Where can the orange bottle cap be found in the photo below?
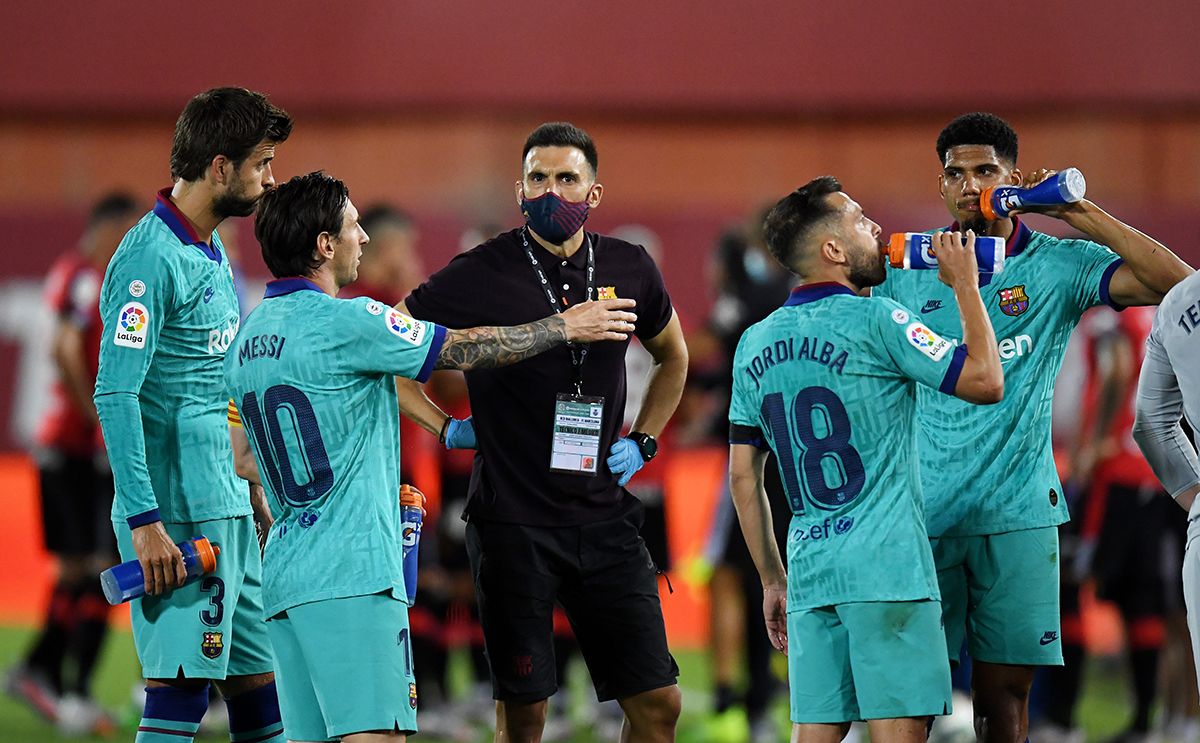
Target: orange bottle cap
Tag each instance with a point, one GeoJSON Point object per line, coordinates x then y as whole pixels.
{"type": "Point", "coordinates": [985, 204]}
{"type": "Point", "coordinates": [208, 554]}
{"type": "Point", "coordinates": [894, 251]}
{"type": "Point", "coordinates": [410, 496]}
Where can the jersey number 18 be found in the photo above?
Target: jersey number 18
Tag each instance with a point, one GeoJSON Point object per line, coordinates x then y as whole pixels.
{"type": "Point", "coordinates": [830, 469]}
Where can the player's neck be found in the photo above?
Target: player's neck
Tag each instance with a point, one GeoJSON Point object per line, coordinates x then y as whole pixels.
{"type": "Point", "coordinates": [323, 278]}
{"type": "Point", "coordinates": [195, 203]}
{"type": "Point", "coordinates": [1002, 228]}
{"type": "Point", "coordinates": [566, 250]}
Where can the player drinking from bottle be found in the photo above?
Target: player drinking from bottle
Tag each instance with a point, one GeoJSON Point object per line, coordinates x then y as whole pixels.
{"type": "Point", "coordinates": [828, 382]}
{"type": "Point", "coordinates": [993, 498]}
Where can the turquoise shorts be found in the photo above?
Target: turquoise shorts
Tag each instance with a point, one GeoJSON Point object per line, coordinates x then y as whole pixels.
{"type": "Point", "coordinates": [1000, 592]}
{"type": "Point", "coordinates": [210, 628]}
{"type": "Point", "coordinates": [344, 666]}
{"type": "Point", "coordinates": [867, 661]}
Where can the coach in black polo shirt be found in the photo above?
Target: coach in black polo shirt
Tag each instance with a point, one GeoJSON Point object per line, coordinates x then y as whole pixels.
{"type": "Point", "coordinates": [548, 516]}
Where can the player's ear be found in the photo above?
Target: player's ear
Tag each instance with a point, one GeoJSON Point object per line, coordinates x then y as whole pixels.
{"type": "Point", "coordinates": [520, 190]}
{"type": "Point", "coordinates": [594, 195]}
{"type": "Point", "coordinates": [324, 248]}
{"type": "Point", "coordinates": [219, 169]}
{"type": "Point", "coordinates": [1015, 177]}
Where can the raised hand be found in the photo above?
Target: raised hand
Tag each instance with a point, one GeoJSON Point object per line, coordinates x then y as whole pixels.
{"type": "Point", "coordinates": [602, 320]}
{"type": "Point", "coordinates": [957, 265]}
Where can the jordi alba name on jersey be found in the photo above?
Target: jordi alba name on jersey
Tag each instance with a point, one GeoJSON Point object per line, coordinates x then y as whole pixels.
{"type": "Point", "coordinates": [312, 377]}
{"type": "Point", "coordinates": [170, 310]}
{"type": "Point", "coordinates": [829, 382]}
{"type": "Point", "coordinates": [987, 469]}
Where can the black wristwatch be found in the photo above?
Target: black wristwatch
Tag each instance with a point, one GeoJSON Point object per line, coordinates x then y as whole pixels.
{"type": "Point", "coordinates": [646, 443]}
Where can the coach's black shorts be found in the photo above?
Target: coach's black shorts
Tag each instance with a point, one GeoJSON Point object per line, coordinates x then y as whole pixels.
{"type": "Point", "coordinates": [1134, 564]}
{"type": "Point", "coordinates": [603, 577]}
{"type": "Point", "coordinates": [77, 498]}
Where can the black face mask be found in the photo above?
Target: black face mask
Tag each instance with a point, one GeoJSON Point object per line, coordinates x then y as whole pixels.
{"type": "Point", "coordinates": [553, 218]}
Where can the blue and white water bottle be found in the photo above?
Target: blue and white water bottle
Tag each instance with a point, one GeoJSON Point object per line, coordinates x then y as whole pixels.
{"type": "Point", "coordinates": [126, 581]}
{"type": "Point", "coordinates": [915, 250]}
{"type": "Point", "coordinates": [412, 512]}
{"type": "Point", "coordinates": [1064, 187]}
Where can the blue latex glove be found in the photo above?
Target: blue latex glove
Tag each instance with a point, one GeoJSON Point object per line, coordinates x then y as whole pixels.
{"type": "Point", "coordinates": [461, 434]}
{"type": "Point", "coordinates": [625, 459]}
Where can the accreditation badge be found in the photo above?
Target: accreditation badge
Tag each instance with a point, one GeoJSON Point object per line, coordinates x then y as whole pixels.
{"type": "Point", "coordinates": [575, 447]}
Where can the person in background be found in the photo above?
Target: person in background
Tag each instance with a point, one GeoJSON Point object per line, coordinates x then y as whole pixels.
{"type": "Point", "coordinates": [76, 486]}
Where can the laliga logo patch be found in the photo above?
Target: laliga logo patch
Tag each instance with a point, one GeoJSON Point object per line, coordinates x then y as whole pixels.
{"type": "Point", "coordinates": [606, 292]}
{"type": "Point", "coordinates": [1013, 300]}
{"type": "Point", "coordinates": [212, 645]}
{"type": "Point", "coordinates": [131, 327]}
{"type": "Point", "coordinates": [926, 341]}
{"type": "Point", "coordinates": [404, 326]}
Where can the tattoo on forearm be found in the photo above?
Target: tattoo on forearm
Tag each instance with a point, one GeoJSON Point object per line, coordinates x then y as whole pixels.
{"type": "Point", "coordinates": [487, 348]}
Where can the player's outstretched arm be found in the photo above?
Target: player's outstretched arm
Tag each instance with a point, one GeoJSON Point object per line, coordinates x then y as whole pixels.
{"type": "Point", "coordinates": [1150, 268]}
{"type": "Point", "coordinates": [489, 347]}
{"type": "Point", "coordinates": [1156, 429]}
{"type": "Point", "coordinates": [982, 379]}
{"type": "Point", "coordinates": [754, 514]}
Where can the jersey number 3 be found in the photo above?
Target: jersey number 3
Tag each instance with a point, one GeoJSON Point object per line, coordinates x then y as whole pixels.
{"type": "Point", "coordinates": [830, 469]}
{"type": "Point", "coordinates": [298, 450]}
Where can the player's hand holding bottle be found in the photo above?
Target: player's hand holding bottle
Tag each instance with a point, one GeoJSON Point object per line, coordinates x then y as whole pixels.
{"type": "Point", "coordinates": [602, 320]}
{"type": "Point", "coordinates": [161, 560]}
{"type": "Point", "coordinates": [957, 265]}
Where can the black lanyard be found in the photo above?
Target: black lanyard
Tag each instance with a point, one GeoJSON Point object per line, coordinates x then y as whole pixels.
{"type": "Point", "coordinates": [579, 351]}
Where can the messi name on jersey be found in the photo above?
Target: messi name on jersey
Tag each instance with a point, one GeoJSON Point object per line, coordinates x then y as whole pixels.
{"type": "Point", "coordinates": [1013, 300]}
{"type": "Point", "coordinates": [261, 347]}
{"type": "Point", "coordinates": [791, 349]}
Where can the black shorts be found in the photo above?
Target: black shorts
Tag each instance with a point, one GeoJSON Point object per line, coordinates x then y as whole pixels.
{"type": "Point", "coordinates": [1134, 565]}
{"type": "Point", "coordinates": [77, 501]}
{"type": "Point", "coordinates": [603, 577]}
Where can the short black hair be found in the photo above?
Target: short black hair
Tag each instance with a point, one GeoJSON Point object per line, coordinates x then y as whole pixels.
{"type": "Point", "coordinates": [224, 121]}
{"type": "Point", "coordinates": [381, 216]}
{"type": "Point", "coordinates": [562, 134]}
{"type": "Point", "coordinates": [982, 129]}
{"type": "Point", "coordinates": [113, 205]}
{"type": "Point", "coordinates": [788, 223]}
{"type": "Point", "coordinates": [291, 217]}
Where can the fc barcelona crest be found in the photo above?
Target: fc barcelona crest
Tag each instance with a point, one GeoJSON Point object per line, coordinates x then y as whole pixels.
{"type": "Point", "coordinates": [412, 695]}
{"type": "Point", "coordinates": [606, 292]}
{"type": "Point", "coordinates": [1013, 300]}
{"type": "Point", "coordinates": [212, 645]}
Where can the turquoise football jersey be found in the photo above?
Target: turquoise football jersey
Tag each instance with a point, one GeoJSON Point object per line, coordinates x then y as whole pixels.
{"type": "Point", "coordinates": [313, 380]}
{"type": "Point", "coordinates": [990, 469]}
{"type": "Point", "coordinates": [170, 311]}
{"type": "Point", "coordinates": [829, 382]}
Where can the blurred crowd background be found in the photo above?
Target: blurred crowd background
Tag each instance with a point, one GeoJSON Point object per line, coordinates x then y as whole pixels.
{"type": "Point", "coordinates": [704, 113]}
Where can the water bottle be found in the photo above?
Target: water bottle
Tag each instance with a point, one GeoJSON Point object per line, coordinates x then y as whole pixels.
{"type": "Point", "coordinates": [126, 581]}
{"type": "Point", "coordinates": [1064, 187]}
{"type": "Point", "coordinates": [412, 510]}
{"type": "Point", "coordinates": [915, 250]}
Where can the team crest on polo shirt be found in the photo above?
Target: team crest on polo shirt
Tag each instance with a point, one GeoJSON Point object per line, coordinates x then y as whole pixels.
{"type": "Point", "coordinates": [606, 292]}
{"type": "Point", "coordinates": [1013, 300]}
{"type": "Point", "coordinates": [212, 645]}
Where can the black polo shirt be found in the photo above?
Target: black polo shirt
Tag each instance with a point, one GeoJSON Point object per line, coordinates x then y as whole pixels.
{"type": "Point", "coordinates": [493, 284]}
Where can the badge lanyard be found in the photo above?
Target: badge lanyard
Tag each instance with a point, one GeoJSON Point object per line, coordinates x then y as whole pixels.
{"type": "Point", "coordinates": [579, 352]}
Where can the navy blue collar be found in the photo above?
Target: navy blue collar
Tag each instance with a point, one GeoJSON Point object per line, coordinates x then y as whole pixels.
{"type": "Point", "coordinates": [806, 293]}
{"type": "Point", "coordinates": [1017, 241]}
{"type": "Point", "coordinates": [279, 287]}
{"type": "Point", "coordinates": [169, 213]}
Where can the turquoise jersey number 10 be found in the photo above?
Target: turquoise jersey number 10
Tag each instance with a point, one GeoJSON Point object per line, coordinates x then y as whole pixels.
{"type": "Point", "coordinates": [302, 433]}
{"type": "Point", "coordinates": [830, 469]}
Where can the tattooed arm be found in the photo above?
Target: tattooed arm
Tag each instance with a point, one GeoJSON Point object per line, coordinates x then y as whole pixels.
{"type": "Point", "coordinates": [489, 347]}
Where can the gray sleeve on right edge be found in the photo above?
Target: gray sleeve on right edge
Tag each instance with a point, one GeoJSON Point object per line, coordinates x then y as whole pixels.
{"type": "Point", "coordinates": [1156, 428]}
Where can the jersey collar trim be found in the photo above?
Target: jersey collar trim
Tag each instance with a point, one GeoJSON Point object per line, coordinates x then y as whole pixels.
{"type": "Point", "coordinates": [166, 210]}
{"type": "Point", "coordinates": [279, 287]}
{"type": "Point", "coordinates": [812, 292]}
